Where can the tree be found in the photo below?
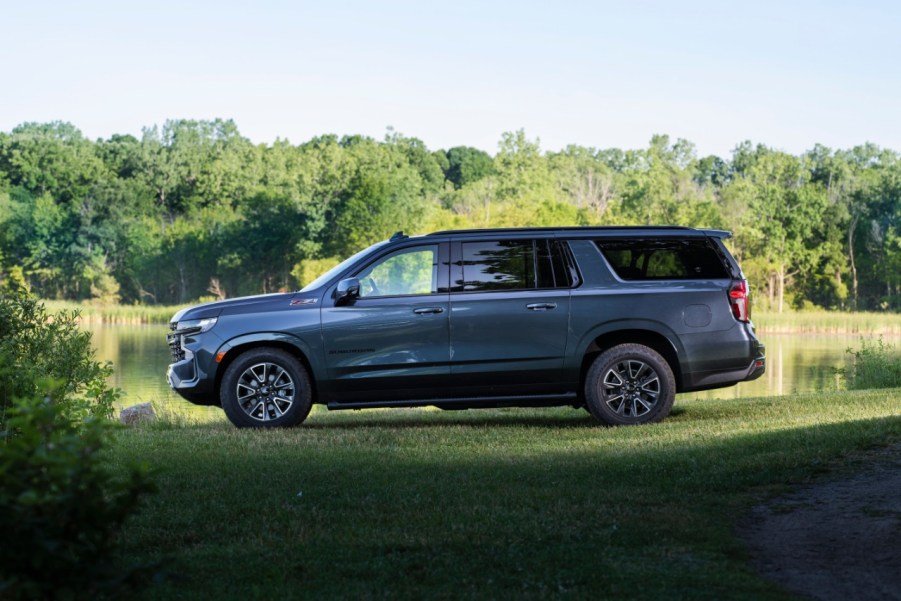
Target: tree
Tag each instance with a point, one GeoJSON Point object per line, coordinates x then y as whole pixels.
{"type": "Point", "coordinates": [467, 165]}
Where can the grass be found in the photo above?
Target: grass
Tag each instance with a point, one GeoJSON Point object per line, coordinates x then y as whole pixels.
{"type": "Point", "coordinates": [825, 322]}
{"type": "Point", "coordinates": [513, 503]}
{"type": "Point", "coordinates": [116, 314]}
{"type": "Point", "coordinates": [876, 365]}
{"type": "Point", "coordinates": [828, 322]}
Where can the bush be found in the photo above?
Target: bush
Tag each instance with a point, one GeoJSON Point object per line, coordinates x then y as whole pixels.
{"type": "Point", "coordinates": [36, 345]}
{"type": "Point", "coordinates": [876, 365]}
{"type": "Point", "coordinates": [60, 506]}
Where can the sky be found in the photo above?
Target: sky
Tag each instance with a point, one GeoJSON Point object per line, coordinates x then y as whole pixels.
{"type": "Point", "coordinates": [598, 74]}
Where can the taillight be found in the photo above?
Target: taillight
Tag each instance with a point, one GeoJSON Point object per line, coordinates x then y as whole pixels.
{"type": "Point", "coordinates": [738, 297]}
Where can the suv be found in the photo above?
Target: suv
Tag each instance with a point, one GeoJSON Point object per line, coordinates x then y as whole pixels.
{"type": "Point", "coordinates": [613, 319]}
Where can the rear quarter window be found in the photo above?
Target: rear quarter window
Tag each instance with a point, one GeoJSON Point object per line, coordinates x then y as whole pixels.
{"type": "Point", "coordinates": [663, 259]}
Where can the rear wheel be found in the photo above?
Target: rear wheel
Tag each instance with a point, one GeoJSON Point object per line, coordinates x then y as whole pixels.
{"type": "Point", "coordinates": [630, 384]}
{"type": "Point", "coordinates": [266, 388]}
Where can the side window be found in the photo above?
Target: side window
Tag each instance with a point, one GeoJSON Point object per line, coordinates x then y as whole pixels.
{"type": "Point", "coordinates": [498, 265]}
{"type": "Point", "coordinates": [552, 269]}
{"type": "Point", "coordinates": [513, 265]}
{"type": "Point", "coordinates": [663, 259]}
{"type": "Point", "coordinates": [405, 272]}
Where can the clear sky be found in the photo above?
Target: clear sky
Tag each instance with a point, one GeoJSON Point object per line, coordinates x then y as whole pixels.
{"type": "Point", "coordinates": [605, 74]}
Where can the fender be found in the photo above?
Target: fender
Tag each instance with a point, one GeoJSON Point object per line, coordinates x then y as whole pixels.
{"type": "Point", "coordinates": [580, 347]}
{"type": "Point", "coordinates": [302, 346]}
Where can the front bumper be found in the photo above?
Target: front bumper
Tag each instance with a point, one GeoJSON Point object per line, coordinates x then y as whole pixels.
{"type": "Point", "coordinates": [192, 374]}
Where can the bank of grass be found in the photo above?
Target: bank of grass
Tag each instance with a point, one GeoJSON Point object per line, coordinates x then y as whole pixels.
{"type": "Point", "coordinates": [819, 322]}
{"type": "Point", "coordinates": [484, 504]}
{"type": "Point", "coordinates": [828, 322]}
{"type": "Point", "coordinates": [117, 314]}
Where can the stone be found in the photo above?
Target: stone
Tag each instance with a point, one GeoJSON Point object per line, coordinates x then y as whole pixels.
{"type": "Point", "coordinates": [137, 413]}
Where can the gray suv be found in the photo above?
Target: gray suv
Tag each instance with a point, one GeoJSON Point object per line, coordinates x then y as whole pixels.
{"type": "Point", "coordinates": [613, 319]}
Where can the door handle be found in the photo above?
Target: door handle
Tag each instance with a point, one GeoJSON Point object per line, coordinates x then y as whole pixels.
{"type": "Point", "coordinates": [541, 306]}
{"type": "Point", "coordinates": [426, 310]}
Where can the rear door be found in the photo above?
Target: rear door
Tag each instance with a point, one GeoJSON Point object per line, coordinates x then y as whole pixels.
{"type": "Point", "coordinates": [509, 316]}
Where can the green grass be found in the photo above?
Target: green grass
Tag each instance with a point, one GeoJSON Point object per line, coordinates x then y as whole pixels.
{"type": "Point", "coordinates": [119, 314]}
{"type": "Point", "coordinates": [828, 322]}
{"type": "Point", "coordinates": [500, 504]}
{"type": "Point", "coordinates": [876, 365]}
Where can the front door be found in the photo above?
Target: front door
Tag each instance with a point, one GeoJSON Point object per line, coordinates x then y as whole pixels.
{"type": "Point", "coordinates": [392, 342]}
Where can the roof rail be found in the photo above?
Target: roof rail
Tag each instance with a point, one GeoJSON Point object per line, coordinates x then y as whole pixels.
{"type": "Point", "coordinates": [573, 228]}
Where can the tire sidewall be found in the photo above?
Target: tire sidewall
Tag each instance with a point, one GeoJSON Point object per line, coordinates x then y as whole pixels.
{"type": "Point", "coordinates": [594, 400]}
{"type": "Point", "coordinates": [300, 408]}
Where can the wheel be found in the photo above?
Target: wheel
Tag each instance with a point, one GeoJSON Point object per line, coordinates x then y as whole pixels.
{"type": "Point", "coordinates": [266, 388]}
{"type": "Point", "coordinates": [630, 384]}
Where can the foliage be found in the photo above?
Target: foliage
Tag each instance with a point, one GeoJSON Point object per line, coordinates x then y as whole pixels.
{"type": "Point", "coordinates": [35, 344]}
{"type": "Point", "coordinates": [60, 506]}
{"type": "Point", "coordinates": [466, 165]}
{"type": "Point", "coordinates": [155, 219]}
{"type": "Point", "coordinates": [875, 365]}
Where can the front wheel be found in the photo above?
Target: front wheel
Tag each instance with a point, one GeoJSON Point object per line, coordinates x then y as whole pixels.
{"type": "Point", "coordinates": [630, 384]}
{"type": "Point", "coordinates": [266, 388]}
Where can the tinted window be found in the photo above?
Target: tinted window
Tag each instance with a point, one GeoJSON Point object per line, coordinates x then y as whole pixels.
{"type": "Point", "coordinates": [405, 272]}
{"type": "Point", "coordinates": [552, 269]}
{"type": "Point", "coordinates": [663, 259]}
{"type": "Point", "coordinates": [498, 265]}
{"type": "Point", "coordinates": [513, 265]}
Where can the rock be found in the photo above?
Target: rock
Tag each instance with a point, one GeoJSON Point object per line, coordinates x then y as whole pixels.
{"type": "Point", "coordinates": [138, 413]}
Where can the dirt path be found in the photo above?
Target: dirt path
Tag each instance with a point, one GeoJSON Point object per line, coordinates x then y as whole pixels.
{"type": "Point", "coordinates": [834, 540]}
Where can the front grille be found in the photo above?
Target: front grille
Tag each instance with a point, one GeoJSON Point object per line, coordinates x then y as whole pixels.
{"type": "Point", "coordinates": [173, 339]}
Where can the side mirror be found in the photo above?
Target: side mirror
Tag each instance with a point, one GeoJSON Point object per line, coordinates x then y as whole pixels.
{"type": "Point", "coordinates": [347, 290]}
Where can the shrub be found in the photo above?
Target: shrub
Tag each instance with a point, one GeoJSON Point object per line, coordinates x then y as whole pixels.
{"type": "Point", "coordinates": [876, 365]}
{"type": "Point", "coordinates": [35, 345]}
{"type": "Point", "coordinates": [60, 505]}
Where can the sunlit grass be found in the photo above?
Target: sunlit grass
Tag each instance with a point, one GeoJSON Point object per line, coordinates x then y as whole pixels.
{"type": "Point", "coordinates": [876, 365]}
{"type": "Point", "coordinates": [828, 322]}
{"type": "Point", "coordinates": [117, 314]}
{"type": "Point", "coordinates": [484, 503]}
{"type": "Point", "coordinates": [770, 322]}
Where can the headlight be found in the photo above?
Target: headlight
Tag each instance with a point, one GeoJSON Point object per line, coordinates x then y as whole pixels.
{"type": "Point", "coordinates": [197, 325]}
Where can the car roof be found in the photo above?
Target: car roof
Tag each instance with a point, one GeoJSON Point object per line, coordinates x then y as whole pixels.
{"type": "Point", "coordinates": [587, 231]}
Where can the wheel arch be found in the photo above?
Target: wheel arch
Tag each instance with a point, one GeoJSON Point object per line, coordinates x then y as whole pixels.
{"type": "Point", "coordinates": [238, 346]}
{"type": "Point", "coordinates": [654, 336]}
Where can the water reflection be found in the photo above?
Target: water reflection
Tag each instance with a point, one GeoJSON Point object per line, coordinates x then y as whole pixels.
{"type": "Point", "coordinates": [795, 363]}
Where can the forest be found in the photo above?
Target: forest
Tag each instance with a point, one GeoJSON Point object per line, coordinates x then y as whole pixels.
{"type": "Point", "coordinates": [194, 210]}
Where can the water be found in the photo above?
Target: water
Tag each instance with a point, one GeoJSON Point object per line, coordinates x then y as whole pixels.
{"type": "Point", "coordinates": [795, 363]}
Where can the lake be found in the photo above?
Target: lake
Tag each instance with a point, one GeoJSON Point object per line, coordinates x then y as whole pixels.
{"type": "Point", "coordinates": [796, 363]}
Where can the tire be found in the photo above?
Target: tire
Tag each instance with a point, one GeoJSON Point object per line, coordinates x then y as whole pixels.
{"type": "Point", "coordinates": [629, 384]}
{"type": "Point", "coordinates": [266, 388]}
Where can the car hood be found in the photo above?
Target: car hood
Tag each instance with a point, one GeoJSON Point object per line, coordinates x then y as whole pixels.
{"type": "Point", "coordinates": [245, 304]}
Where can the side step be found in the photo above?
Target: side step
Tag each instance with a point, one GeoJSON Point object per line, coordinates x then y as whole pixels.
{"type": "Point", "coordinates": [539, 400]}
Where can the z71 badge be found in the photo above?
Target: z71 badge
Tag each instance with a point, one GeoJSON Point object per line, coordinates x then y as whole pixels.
{"type": "Point", "coordinates": [303, 301]}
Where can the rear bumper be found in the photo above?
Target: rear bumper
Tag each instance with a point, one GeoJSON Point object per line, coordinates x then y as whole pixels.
{"type": "Point", "coordinates": [721, 379]}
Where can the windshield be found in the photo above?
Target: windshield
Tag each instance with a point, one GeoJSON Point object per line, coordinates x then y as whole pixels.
{"type": "Point", "coordinates": [338, 268]}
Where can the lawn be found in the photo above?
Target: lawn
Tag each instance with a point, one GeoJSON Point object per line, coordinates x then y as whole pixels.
{"type": "Point", "coordinates": [484, 503]}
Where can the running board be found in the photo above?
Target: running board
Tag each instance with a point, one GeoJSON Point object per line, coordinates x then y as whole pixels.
{"type": "Point", "coordinates": [538, 400]}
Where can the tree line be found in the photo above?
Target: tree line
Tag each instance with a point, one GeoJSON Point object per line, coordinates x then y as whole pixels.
{"type": "Point", "coordinates": [193, 209]}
